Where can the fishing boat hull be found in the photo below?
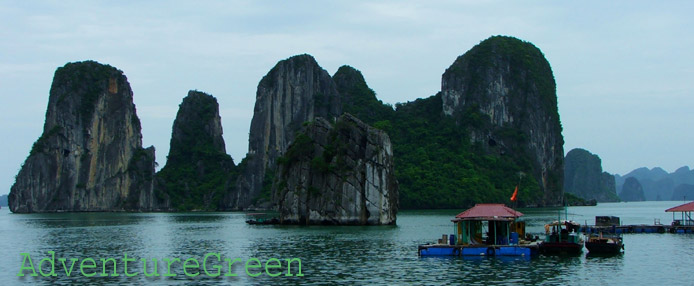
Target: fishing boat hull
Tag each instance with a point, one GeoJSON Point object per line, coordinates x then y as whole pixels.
{"type": "Point", "coordinates": [261, 219]}
{"type": "Point", "coordinates": [263, 222]}
{"type": "Point", "coordinates": [562, 238]}
{"type": "Point", "coordinates": [561, 248]}
{"type": "Point", "coordinates": [604, 247]}
{"type": "Point", "coordinates": [481, 250]}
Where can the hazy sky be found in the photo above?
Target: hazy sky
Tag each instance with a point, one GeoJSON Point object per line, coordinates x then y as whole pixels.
{"type": "Point", "coordinates": [624, 69]}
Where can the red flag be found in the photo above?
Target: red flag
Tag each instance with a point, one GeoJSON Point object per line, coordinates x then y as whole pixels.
{"type": "Point", "coordinates": [515, 195]}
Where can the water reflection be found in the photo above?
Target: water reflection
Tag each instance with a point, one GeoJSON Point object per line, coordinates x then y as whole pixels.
{"type": "Point", "coordinates": [65, 220]}
{"type": "Point", "coordinates": [600, 256]}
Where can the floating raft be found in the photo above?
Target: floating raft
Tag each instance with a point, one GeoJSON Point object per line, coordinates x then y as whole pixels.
{"type": "Point", "coordinates": [497, 221]}
{"type": "Point", "coordinates": [637, 228]}
{"type": "Point", "coordinates": [477, 250]}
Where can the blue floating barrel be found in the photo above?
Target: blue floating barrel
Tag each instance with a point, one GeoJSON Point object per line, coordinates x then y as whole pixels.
{"type": "Point", "coordinates": [452, 239]}
{"type": "Point", "coordinates": [514, 238]}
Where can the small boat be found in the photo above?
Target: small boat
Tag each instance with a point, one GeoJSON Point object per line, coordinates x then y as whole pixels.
{"type": "Point", "coordinates": [562, 237]}
{"type": "Point", "coordinates": [604, 244]}
{"type": "Point", "coordinates": [484, 230]}
{"type": "Point", "coordinates": [261, 218]}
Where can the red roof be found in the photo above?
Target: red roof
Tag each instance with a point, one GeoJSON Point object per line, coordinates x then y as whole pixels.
{"type": "Point", "coordinates": [489, 212]}
{"type": "Point", "coordinates": [688, 207]}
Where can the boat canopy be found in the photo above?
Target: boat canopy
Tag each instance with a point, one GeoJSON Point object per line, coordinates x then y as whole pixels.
{"type": "Point", "coordinates": [488, 212]}
{"type": "Point", "coordinates": [564, 222]}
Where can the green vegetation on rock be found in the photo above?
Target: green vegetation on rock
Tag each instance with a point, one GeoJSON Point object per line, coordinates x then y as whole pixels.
{"type": "Point", "coordinates": [438, 167]}
{"type": "Point", "coordinates": [88, 79]}
{"type": "Point", "coordinates": [40, 143]}
{"type": "Point", "coordinates": [526, 62]}
{"type": "Point", "coordinates": [435, 163]}
{"type": "Point", "coordinates": [198, 172]}
{"type": "Point", "coordinates": [572, 200]}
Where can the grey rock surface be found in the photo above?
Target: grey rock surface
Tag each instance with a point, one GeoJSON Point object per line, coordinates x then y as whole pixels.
{"type": "Point", "coordinates": [295, 91]}
{"type": "Point", "coordinates": [341, 174]}
{"type": "Point", "coordinates": [504, 91]}
{"type": "Point", "coordinates": [90, 155]}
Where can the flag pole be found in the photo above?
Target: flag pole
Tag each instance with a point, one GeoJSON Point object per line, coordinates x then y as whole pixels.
{"type": "Point", "coordinates": [518, 186]}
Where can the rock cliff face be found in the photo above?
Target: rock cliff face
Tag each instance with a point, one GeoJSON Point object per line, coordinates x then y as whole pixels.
{"type": "Point", "coordinates": [338, 175]}
{"type": "Point", "coordinates": [296, 90]}
{"type": "Point", "coordinates": [632, 191]}
{"type": "Point", "coordinates": [198, 171]}
{"type": "Point", "coordinates": [583, 177]}
{"type": "Point", "coordinates": [503, 91]}
{"type": "Point", "coordinates": [90, 155]}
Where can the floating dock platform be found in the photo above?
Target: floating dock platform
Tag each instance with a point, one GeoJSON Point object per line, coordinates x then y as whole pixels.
{"type": "Point", "coordinates": [638, 228]}
{"type": "Point", "coordinates": [612, 224]}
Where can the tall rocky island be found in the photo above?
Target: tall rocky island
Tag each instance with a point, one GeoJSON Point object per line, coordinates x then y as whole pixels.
{"type": "Point", "coordinates": [503, 92]}
{"type": "Point", "coordinates": [583, 177]}
{"type": "Point", "coordinates": [493, 125]}
{"type": "Point", "coordinates": [90, 155]}
{"type": "Point", "coordinates": [198, 171]}
{"type": "Point", "coordinates": [341, 174]}
{"type": "Point", "coordinates": [632, 191]}
{"type": "Point", "coordinates": [295, 91]}
{"type": "Point", "coordinates": [320, 173]}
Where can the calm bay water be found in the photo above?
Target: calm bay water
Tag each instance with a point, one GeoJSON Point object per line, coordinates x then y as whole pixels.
{"type": "Point", "coordinates": [334, 255]}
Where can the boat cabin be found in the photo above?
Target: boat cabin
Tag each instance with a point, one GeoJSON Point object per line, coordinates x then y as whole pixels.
{"type": "Point", "coordinates": [563, 231]}
{"type": "Point", "coordinates": [607, 221]}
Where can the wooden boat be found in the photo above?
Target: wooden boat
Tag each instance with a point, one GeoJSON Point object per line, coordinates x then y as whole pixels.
{"type": "Point", "coordinates": [261, 218]}
{"type": "Point", "coordinates": [484, 230]}
{"type": "Point", "coordinates": [604, 244]}
{"type": "Point", "coordinates": [562, 237]}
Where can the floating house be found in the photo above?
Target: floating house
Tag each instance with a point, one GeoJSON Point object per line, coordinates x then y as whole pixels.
{"type": "Point", "coordinates": [484, 230]}
{"type": "Point", "coordinates": [685, 211]}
